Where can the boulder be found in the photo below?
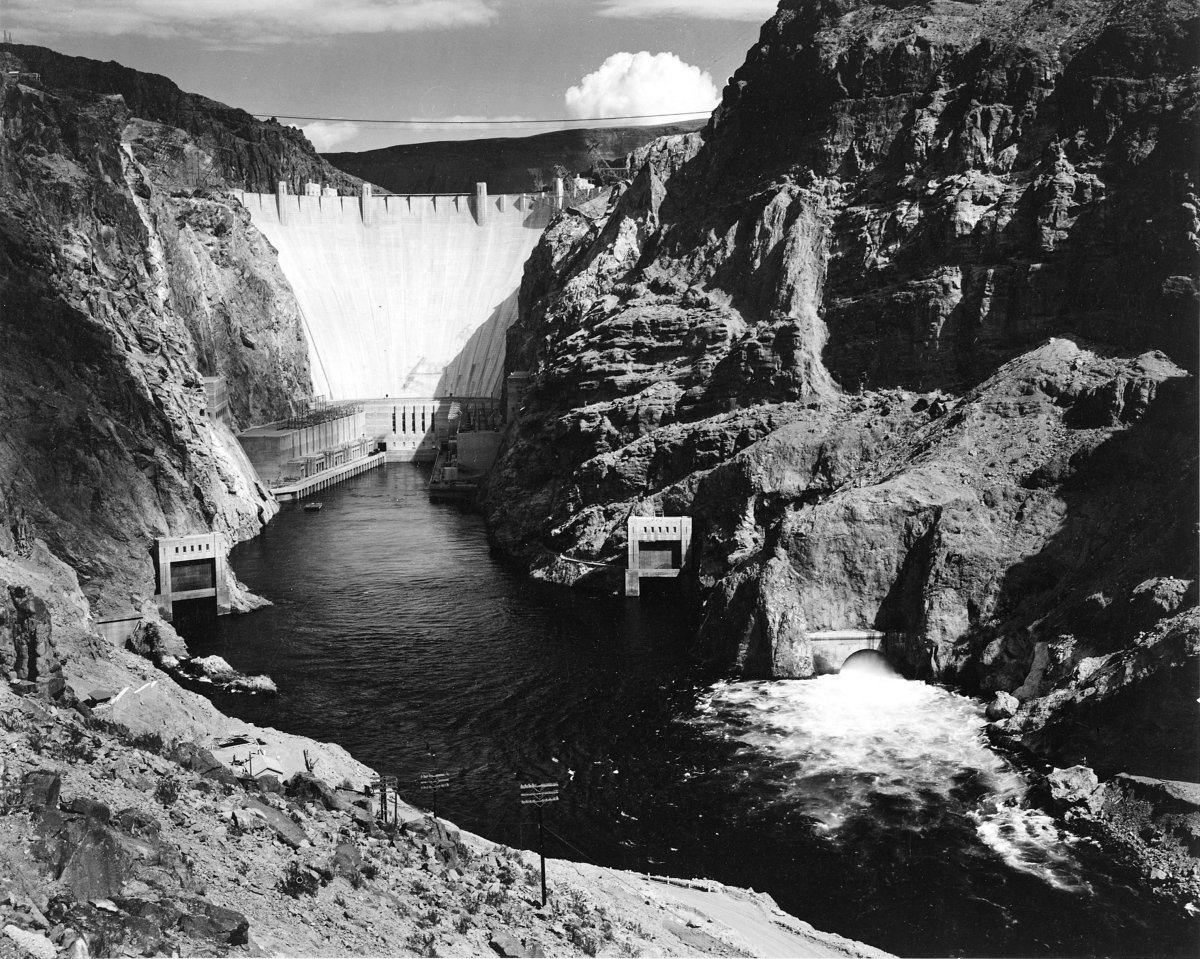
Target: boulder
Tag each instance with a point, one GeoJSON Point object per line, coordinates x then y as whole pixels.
{"type": "Point", "coordinates": [97, 865]}
{"type": "Point", "coordinates": [157, 641]}
{"type": "Point", "coordinates": [215, 670]}
{"type": "Point", "coordinates": [83, 806]}
{"type": "Point", "coordinates": [506, 944]}
{"type": "Point", "coordinates": [139, 824]}
{"type": "Point", "coordinates": [285, 830]}
{"type": "Point", "coordinates": [32, 944]}
{"type": "Point", "coordinates": [347, 861]}
{"type": "Point", "coordinates": [1003, 706]}
{"type": "Point", "coordinates": [111, 931]}
{"type": "Point", "coordinates": [212, 668]}
{"type": "Point", "coordinates": [1072, 787]}
{"type": "Point", "coordinates": [364, 819]}
{"type": "Point", "coordinates": [306, 787]}
{"type": "Point", "coordinates": [40, 789]}
{"type": "Point", "coordinates": [206, 920]}
{"type": "Point", "coordinates": [1164, 808]}
{"type": "Point", "coordinates": [83, 854]}
{"type": "Point", "coordinates": [269, 783]}
{"type": "Point", "coordinates": [263, 685]}
{"type": "Point", "coordinates": [28, 649]}
{"type": "Point", "coordinates": [200, 760]}
{"type": "Point", "coordinates": [440, 839]}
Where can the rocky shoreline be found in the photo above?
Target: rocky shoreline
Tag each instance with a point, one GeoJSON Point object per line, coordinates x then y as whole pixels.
{"type": "Point", "coordinates": [131, 827]}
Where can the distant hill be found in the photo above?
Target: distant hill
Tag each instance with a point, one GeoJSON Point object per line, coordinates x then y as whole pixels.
{"type": "Point", "coordinates": [503, 163]}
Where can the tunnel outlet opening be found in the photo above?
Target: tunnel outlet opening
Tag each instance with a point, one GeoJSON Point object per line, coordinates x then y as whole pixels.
{"type": "Point", "coordinates": [870, 662]}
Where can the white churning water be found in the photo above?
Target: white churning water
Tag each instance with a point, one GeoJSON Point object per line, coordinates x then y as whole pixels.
{"type": "Point", "coordinates": [858, 745]}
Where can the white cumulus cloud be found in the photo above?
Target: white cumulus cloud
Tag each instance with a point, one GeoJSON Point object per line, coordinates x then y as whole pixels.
{"type": "Point", "coordinates": [328, 135]}
{"type": "Point", "coordinates": [752, 10]}
{"type": "Point", "coordinates": [259, 22]}
{"type": "Point", "coordinates": [637, 84]}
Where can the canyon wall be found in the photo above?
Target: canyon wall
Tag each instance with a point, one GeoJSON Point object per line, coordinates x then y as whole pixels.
{"type": "Point", "coordinates": [910, 330]}
{"type": "Point", "coordinates": [230, 147]}
{"type": "Point", "coordinates": [123, 284]}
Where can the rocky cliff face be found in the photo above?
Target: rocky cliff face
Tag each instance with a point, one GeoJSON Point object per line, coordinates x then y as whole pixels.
{"type": "Point", "coordinates": [228, 146]}
{"type": "Point", "coordinates": [910, 331]}
{"type": "Point", "coordinates": [123, 284]}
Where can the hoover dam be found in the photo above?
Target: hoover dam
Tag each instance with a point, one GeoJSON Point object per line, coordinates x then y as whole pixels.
{"type": "Point", "coordinates": [403, 296]}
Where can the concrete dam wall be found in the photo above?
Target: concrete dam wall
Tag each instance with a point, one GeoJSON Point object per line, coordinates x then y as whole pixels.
{"type": "Point", "coordinates": [403, 296]}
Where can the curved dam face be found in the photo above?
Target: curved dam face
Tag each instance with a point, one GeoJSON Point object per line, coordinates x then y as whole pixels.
{"type": "Point", "coordinates": [403, 296]}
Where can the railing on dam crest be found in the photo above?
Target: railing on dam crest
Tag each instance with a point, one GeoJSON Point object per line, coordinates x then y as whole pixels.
{"type": "Point", "coordinates": [373, 206]}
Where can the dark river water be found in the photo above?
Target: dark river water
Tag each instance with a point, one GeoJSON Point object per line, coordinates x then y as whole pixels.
{"type": "Point", "coordinates": [866, 806]}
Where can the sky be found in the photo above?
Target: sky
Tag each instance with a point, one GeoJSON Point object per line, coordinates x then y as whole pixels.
{"type": "Point", "coordinates": [430, 60]}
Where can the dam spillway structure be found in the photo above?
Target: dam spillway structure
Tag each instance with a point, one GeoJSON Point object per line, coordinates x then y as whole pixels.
{"type": "Point", "coordinates": [403, 296]}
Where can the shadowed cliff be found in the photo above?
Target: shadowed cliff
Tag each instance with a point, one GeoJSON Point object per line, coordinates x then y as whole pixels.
{"type": "Point", "coordinates": [127, 273]}
{"type": "Point", "coordinates": [881, 328]}
{"type": "Point", "coordinates": [237, 149]}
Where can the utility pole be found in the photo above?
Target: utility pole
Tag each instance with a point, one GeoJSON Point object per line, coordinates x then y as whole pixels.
{"type": "Point", "coordinates": [540, 795]}
{"type": "Point", "coordinates": [432, 782]}
{"type": "Point", "coordinates": [383, 783]}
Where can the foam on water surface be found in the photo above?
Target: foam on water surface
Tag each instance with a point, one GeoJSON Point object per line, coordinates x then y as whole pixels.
{"type": "Point", "coordinates": [840, 748]}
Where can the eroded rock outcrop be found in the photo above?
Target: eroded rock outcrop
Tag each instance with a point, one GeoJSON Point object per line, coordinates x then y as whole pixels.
{"type": "Point", "coordinates": [28, 648]}
{"type": "Point", "coordinates": [230, 146]}
{"type": "Point", "coordinates": [123, 285]}
{"type": "Point", "coordinates": [910, 330]}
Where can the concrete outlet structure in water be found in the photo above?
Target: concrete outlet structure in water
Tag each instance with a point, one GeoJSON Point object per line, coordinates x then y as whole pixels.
{"type": "Point", "coordinates": [659, 546]}
{"type": "Point", "coordinates": [832, 648]}
{"type": "Point", "coordinates": [191, 568]}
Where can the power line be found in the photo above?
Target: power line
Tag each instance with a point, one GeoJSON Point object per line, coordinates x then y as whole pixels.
{"type": "Point", "coordinates": [640, 116]}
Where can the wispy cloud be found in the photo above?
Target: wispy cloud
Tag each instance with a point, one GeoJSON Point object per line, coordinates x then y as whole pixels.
{"type": "Point", "coordinates": [239, 22]}
{"type": "Point", "coordinates": [637, 84]}
{"type": "Point", "coordinates": [751, 10]}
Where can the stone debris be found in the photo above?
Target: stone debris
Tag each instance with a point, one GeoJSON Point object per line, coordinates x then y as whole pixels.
{"type": "Point", "coordinates": [204, 863]}
{"type": "Point", "coordinates": [33, 944]}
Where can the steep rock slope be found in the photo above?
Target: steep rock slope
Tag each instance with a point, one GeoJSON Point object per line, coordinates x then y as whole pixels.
{"type": "Point", "coordinates": [123, 285]}
{"type": "Point", "coordinates": [909, 330]}
{"type": "Point", "coordinates": [235, 149]}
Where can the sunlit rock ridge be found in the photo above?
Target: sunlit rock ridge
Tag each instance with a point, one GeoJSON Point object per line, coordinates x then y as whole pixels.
{"type": "Point", "coordinates": [910, 330]}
